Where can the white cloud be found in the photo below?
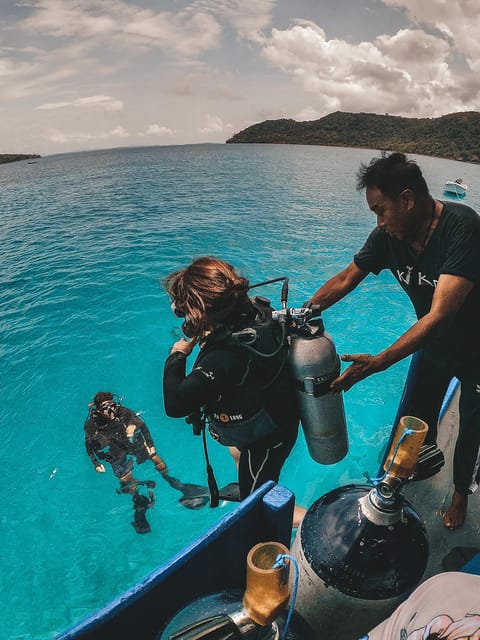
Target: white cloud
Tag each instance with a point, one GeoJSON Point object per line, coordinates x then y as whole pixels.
{"type": "Point", "coordinates": [404, 74]}
{"type": "Point", "coordinates": [184, 32]}
{"type": "Point", "coordinates": [157, 130]}
{"type": "Point", "coordinates": [107, 103]}
{"type": "Point", "coordinates": [249, 18]}
{"type": "Point", "coordinates": [459, 21]}
{"type": "Point", "coordinates": [60, 137]}
{"type": "Point", "coordinates": [214, 125]}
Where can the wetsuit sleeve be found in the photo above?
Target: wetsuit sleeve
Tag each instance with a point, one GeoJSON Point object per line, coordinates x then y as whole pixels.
{"type": "Point", "coordinates": [130, 417]}
{"type": "Point", "coordinates": [145, 431]}
{"type": "Point", "coordinates": [183, 394]}
{"type": "Point", "coordinates": [371, 256]}
{"type": "Point", "coordinates": [89, 445]}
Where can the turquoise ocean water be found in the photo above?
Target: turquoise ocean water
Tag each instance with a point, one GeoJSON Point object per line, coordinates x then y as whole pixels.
{"type": "Point", "coordinates": [86, 239]}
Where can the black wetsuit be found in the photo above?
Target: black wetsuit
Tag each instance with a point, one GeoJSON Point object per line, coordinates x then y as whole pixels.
{"type": "Point", "coordinates": [108, 440]}
{"type": "Point", "coordinates": [249, 400]}
{"type": "Point", "coordinates": [453, 349]}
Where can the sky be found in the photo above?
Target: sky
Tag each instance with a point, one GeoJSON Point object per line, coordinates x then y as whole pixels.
{"type": "Point", "coordinates": [91, 74]}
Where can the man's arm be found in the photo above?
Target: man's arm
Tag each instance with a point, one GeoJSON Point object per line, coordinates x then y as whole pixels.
{"type": "Point", "coordinates": [145, 433]}
{"type": "Point", "coordinates": [90, 448]}
{"type": "Point", "coordinates": [450, 294]}
{"type": "Point", "coordinates": [338, 286]}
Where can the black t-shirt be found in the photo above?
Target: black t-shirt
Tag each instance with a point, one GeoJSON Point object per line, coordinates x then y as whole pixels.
{"type": "Point", "coordinates": [454, 248]}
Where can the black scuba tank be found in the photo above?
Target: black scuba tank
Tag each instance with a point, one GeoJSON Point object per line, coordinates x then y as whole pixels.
{"type": "Point", "coordinates": [361, 549]}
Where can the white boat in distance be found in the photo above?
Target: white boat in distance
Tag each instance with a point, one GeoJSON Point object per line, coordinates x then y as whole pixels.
{"type": "Point", "coordinates": [458, 187]}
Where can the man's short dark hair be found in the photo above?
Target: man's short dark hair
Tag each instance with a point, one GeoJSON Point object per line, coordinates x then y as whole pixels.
{"type": "Point", "coordinates": [101, 397]}
{"type": "Point", "coordinates": [392, 174]}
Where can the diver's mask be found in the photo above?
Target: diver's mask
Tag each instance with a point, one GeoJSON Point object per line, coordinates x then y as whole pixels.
{"type": "Point", "coordinates": [108, 407]}
{"type": "Point", "coordinates": [180, 313]}
{"type": "Point", "coordinates": [187, 329]}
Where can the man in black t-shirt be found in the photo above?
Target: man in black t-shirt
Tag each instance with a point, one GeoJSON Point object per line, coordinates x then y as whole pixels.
{"type": "Point", "coordinates": [432, 249]}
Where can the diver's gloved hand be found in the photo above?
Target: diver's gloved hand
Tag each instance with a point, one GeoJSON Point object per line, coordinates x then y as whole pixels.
{"type": "Point", "coordinates": [99, 468]}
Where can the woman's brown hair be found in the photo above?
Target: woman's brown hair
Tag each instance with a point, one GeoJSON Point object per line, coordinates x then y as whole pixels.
{"type": "Point", "coordinates": [206, 291]}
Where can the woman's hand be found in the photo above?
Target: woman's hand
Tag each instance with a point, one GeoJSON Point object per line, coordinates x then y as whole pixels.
{"type": "Point", "coordinates": [183, 346]}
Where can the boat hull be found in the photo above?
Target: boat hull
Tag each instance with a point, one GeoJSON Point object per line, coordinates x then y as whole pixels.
{"type": "Point", "coordinates": [458, 189]}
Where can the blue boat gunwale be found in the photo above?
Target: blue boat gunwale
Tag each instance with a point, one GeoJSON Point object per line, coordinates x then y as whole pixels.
{"type": "Point", "coordinates": [265, 515]}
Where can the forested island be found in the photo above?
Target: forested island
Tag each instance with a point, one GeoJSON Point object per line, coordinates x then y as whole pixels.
{"type": "Point", "coordinates": [13, 157]}
{"type": "Point", "coordinates": [455, 136]}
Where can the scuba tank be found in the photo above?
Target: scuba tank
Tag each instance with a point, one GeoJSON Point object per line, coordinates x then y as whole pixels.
{"type": "Point", "coordinates": [315, 363]}
{"type": "Point", "coordinates": [361, 549]}
{"type": "Point", "coordinates": [258, 615]}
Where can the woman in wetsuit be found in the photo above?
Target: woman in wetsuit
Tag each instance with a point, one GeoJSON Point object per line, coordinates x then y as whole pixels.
{"type": "Point", "coordinates": [239, 380]}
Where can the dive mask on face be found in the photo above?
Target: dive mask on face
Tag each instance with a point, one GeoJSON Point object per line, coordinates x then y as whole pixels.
{"type": "Point", "coordinates": [108, 407]}
{"type": "Point", "coordinates": [186, 326]}
{"type": "Point", "coordinates": [177, 311]}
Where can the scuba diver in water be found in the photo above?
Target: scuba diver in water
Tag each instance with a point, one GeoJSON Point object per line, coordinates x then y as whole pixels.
{"type": "Point", "coordinates": [239, 383]}
{"type": "Point", "coordinates": [117, 435]}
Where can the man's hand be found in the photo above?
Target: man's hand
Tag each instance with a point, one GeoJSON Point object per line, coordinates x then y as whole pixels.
{"type": "Point", "coordinates": [99, 468]}
{"type": "Point", "coordinates": [151, 451]}
{"type": "Point", "coordinates": [363, 366]}
{"type": "Point", "coordinates": [184, 346]}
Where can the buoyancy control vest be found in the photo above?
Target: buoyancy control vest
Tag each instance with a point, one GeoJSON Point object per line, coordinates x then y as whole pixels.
{"type": "Point", "coordinates": [264, 400]}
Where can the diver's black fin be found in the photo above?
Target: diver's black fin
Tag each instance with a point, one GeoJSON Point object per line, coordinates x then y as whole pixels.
{"type": "Point", "coordinates": [173, 482]}
{"type": "Point", "coordinates": [194, 502]}
{"type": "Point", "coordinates": [194, 496]}
{"type": "Point", "coordinates": [430, 461]}
{"type": "Point", "coordinates": [230, 492]}
{"type": "Point", "coordinates": [141, 503]}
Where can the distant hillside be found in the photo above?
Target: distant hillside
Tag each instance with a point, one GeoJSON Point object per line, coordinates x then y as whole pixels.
{"type": "Point", "coordinates": [13, 157]}
{"type": "Point", "coordinates": [455, 136]}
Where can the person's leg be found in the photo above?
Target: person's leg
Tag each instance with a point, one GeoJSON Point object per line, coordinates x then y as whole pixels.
{"type": "Point", "coordinates": [466, 460]}
{"type": "Point", "coordinates": [160, 465]}
{"type": "Point", "coordinates": [142, 452]}
{"type": "Point", "coordinates": [430, 386]}
{"type": "Point", "coordinates": [122, 468]}
{"type": "Point", "coordinates": [258, 464]}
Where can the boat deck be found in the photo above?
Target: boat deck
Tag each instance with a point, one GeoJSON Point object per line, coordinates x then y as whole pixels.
{"type": "Point", "coordinates": [431, 497]}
